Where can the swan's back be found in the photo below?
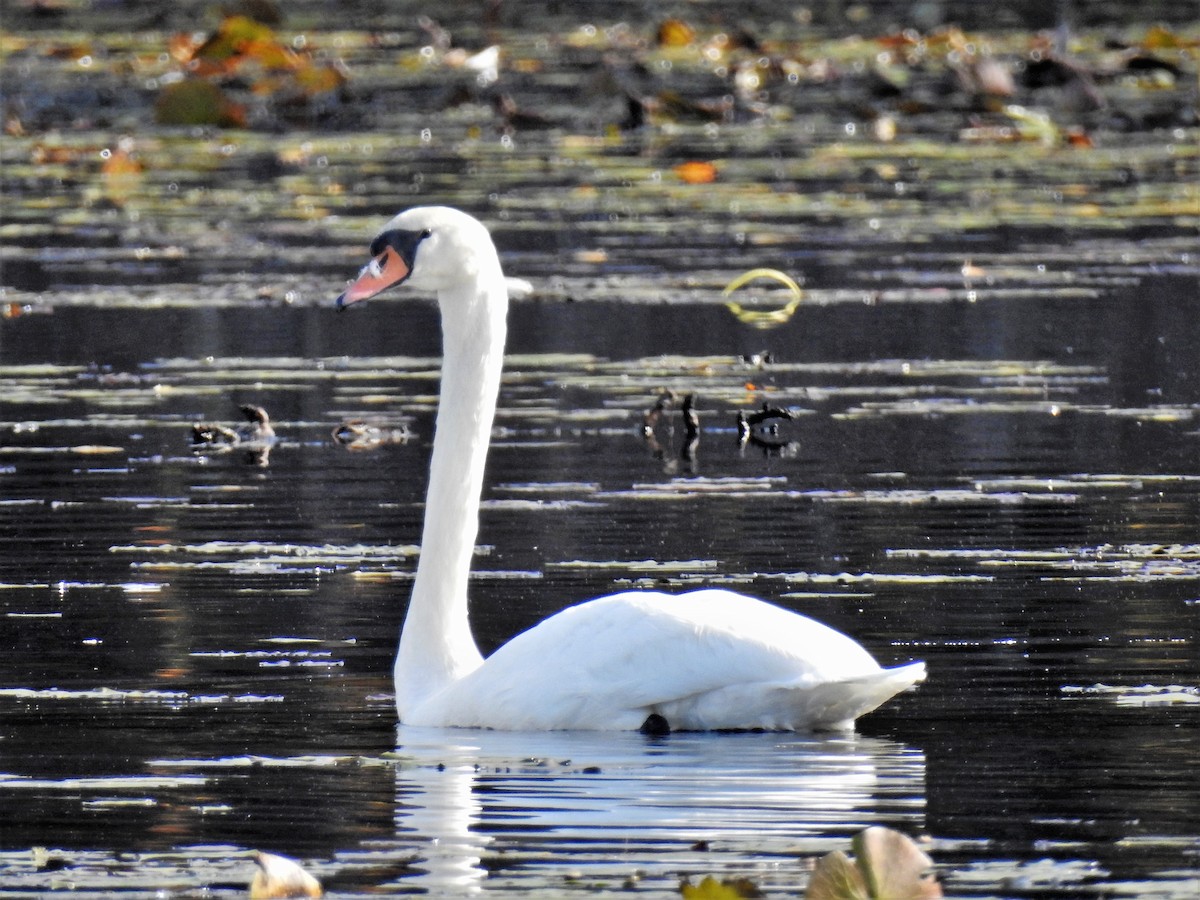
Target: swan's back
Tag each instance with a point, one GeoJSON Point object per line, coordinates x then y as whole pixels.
{"type": "Point", "coordinates": [709, 659]}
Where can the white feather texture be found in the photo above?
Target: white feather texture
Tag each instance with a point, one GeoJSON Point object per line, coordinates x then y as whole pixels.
{"type": "Point", "coordinates": [703, 660]}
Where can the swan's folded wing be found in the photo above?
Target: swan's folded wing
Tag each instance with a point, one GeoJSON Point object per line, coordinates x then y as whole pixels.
{"type": "Point", "coordinates": [708, 659]}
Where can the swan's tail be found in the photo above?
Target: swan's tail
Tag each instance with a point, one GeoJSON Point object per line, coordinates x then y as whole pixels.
{"type": "Point", "coordinates": [835, 705]}
{"type": "Point", "coordinates": [788, 706]}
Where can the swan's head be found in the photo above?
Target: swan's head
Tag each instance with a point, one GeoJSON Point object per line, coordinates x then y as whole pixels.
{"type": "Point", "coordinates": [432, 248]}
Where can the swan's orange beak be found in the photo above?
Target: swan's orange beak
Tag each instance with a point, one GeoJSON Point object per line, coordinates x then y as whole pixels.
{"type": "Point", "coordinates": [384, 271]}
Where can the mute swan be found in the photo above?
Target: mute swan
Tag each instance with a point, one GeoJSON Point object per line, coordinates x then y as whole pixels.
{"type": "Point", "coordinates": [703, 660]}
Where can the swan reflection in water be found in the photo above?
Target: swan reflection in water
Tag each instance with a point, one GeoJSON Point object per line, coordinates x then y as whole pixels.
{"type": "Point", "coordinates": [533, 807]}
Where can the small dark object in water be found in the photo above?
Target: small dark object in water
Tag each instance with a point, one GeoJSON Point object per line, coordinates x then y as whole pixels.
{"type": "Point", "coordinates": [259, 424]}
{"type": "Point", "coordinates": [359, 435]}
{"type": "Point", "coordinates": [767, 412]}
{"type": "Point", "coordinates": [257, 428]}
{"type": "Point", "coordinates": [691, 421]}
{"type": "Point", "coordinates": [256, 436]}
{"type": "Point", "coordinates": [651, 417]}
{"type": "Point", "coordinates": [209, 433]}
{"type": "Point", "coordinates": [655, 725]}
{"type": "Point", "coordinates": [514, 118]}
{"type": "Point", "coordinates": [759, 360]}
{"type": "Point", "coordinates": [761, 428]}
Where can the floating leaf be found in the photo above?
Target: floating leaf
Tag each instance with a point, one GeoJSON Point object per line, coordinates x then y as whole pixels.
{"type": "Point", "coordinates": [887, 865]}
{"type": "Point", "coordinates": [233, 36]}
{"type": "Point", "coordinates": [696, 172]}
{"type": "Point", "coordinates": [836, 878]}
{"type": "Point", "coordinates": [122, 175]}
{"type": "Point", "coordinates": [318, 79]}
{"type": "Point", "coordinates": [197, 102]}
{"type": "Point", "coordinates": [1161, 38]}
{"type": "Point", "coordinates": [278, 876]}
{"type": "Point", "coordinates": [728, 889]}
{"type": "Point", "coordinates": [270, 54]}
{"type": "Point", "coordinates": [675, 33]}
{"type": "Point", "coordinates": [1032, 124]}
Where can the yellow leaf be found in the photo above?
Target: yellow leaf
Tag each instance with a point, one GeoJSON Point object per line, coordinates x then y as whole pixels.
{"type": "Point", "coordinates": [711, 889]}
{"type": "Point", "coordinates": [675, 33]}
{"type": "Point", "coordinates": [232, 35]}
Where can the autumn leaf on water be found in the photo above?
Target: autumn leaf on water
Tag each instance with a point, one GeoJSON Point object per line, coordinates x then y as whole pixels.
{"type": "Point", "coordinates": [696, 172]}
{"type": "Point", "coordinates": [232, 38]}
{"type": "Point", "coordinates": [728, 889]}
{"type": "Point", "coordinates": [194, 101]}
{"type": "Point", "coordinates": [887, 865]}
{"type": "Point", "coordinates": [121, 174]}
{"type": "Point", "coordinates": [314, 79]}
{"type": "Point", "coordinates": [675, 33]}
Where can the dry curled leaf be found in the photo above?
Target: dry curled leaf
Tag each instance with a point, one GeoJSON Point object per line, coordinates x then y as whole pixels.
{"type": "Point", "coordinates": [887, 865]}
{"type": "Point", "coordinates": [279, 877]}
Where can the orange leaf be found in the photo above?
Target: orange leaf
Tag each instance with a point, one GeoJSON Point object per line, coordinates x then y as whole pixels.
{"type": "Point", "coordinates": [270, 54]}
{"type": "Point", "coordinates": [318, 79]}
{"type": "Point", "coordinates": [675, 33]}
{"type": "Point", "coordinates": [120, 163]}
{"type": "Point", "coordinates": [182, 47]}
{"type": "Point", "coordinates": [696, 172]}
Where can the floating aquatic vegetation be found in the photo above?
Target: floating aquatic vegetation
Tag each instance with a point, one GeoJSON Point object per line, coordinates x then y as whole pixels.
{"type": "Point", "coordinates": [114, 695]}
{"type": "Point", "coordinates": [640, 565]}
{"type": "Point", "coordinates": [1135, 563]}
{"type": "Point", "coordinates": [268, 659]}
{"type": "Point", "coordinates": [273, 762]}
{"type": "Point", "coordinates": [515, 505]}
{"type": "Point", "coordinates": [1140, 696]}
{"type": "Point", "coordinates": [947, 496]}
{"type": "Point", "coordinates": [109, 783]}
{"type": "Point", "coordinates": [847, 578]}
{"type": "Point", "coordinates": [1040, 875]}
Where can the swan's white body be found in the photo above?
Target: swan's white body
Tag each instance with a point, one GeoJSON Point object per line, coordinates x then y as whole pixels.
{"type": "Point", "coordinates": [708, 659]}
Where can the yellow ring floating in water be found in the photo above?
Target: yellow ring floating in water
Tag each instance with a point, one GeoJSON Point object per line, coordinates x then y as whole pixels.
{"type": "Point", "coordinates": [763, 318]}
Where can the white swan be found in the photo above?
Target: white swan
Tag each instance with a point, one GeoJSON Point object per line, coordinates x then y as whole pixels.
{"type": "Point", "coordinates": [704, 660]}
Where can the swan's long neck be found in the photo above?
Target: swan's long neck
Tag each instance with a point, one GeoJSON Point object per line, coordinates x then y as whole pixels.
{"type": "Point", "coordinates": [436, 645]}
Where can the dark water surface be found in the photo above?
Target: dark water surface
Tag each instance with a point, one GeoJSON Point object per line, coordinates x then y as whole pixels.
{"type": "Point", "coordinates": [197, 647]}
{"type": "Point", "coordinates": [992, 464]}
